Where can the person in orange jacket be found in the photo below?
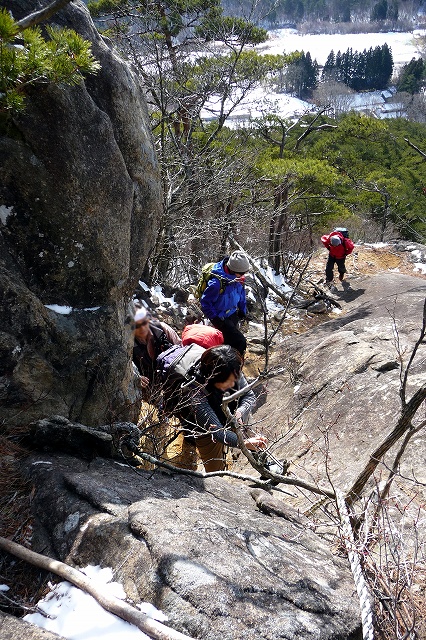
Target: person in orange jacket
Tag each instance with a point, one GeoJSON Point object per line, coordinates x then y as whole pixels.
{"type": "Point", "coordinates": [338, 247]}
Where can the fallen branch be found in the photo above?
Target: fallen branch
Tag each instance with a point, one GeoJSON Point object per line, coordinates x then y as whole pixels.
{"type": "Point", "coordinates": [284, 296]}
{"type": "Point", "coordinates": [43, 14]}
{"type": "Point", "coordinates": [152, 628]}
{"type": "Point", "coordinates": [323, 294]}
{"type": "Point", "coordinates": [295, 482]}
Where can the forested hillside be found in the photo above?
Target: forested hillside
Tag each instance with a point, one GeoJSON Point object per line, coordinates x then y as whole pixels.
{"type": "Point", "coordinates": [276, 185]}
{"type": "Point", "coordinates": [297, 12]}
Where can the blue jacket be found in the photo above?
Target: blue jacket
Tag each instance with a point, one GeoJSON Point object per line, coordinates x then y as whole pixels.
{"type": "Point", "coordinates": [222, 305]}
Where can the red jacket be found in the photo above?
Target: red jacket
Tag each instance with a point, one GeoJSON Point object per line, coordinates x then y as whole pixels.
{"type": "Point", "coordinates": [342, 250]}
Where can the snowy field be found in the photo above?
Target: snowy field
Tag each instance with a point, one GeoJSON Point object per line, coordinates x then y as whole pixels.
{"type": "Point", "coordinates": [403, 45]}
{"type": "Point", "coordinates": [261, 102]}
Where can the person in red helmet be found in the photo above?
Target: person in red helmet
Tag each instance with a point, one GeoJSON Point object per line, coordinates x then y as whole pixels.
{"type": "Point", "coordinates": [339, 246]}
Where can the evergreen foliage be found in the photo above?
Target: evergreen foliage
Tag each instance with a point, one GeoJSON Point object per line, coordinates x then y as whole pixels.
{"type": "Point", "coordinates": [299, 75]}
{"type": "Point", "coordinates": [28, 58]}
{"type": "Point", "coordinates": [412, 77]}
{"type": "Point", "coordinates": [379, 11]}
{"type": "Point", "coordinates": [368, 70]}
{"type": "Point", "coordinates": [383, 176]}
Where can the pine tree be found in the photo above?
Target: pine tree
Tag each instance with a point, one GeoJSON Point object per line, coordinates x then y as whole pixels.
{"type": "Point", "coordinates": [379, 11]}
{"type": "Point", "coordinates": [329, 69]}
{"type": "Point", "coordinates": [27, 58]}
{"type": "Point", "coordinates": [413, 76]}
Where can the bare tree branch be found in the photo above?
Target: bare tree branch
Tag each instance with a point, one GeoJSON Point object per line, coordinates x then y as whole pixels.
{"type": "Point", "coordinates": [295, 482]}
{"type": "Point", "coordinates": [39, 16]}
{"type": "Point", "coordinates": [152, 628]}
{"type": "Point", "coordinates": [311, 127]}
{"type": "Point", "coordinates": [403, 425]}
{"type": "Point", "coordinates": [413, 353]}
{"type": "Point", "coordinates": [413, 146]}
{"type": "Point", "coordinates": [384, 494]}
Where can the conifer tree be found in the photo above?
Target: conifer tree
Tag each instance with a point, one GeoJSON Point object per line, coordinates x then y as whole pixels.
{"type": "Point", "coordinates": [413, 76]}
{"type": "Point", "coordinates": [28, 58]}
{"type": "Point", "coordinates": [329, 69]}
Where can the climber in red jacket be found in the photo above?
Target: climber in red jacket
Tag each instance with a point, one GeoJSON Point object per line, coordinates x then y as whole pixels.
{"type": "Point", "coordinates": [339, 246]}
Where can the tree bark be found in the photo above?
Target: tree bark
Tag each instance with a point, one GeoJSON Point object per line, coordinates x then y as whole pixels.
{"type": "Point", "coordinates": [403, 425]}
{"type": "Point", "coordinates": [152, 628]}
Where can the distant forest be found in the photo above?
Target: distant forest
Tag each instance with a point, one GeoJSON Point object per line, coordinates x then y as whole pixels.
{"type": "Point", "coordinates": [361, 71]}
{"type": "Point", "coordinates": [282, 13]}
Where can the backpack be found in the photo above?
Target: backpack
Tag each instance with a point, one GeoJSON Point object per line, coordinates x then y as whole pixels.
{"type": "Point", "coordinates": [206, 274]}
{"type": "Point", "coordinates": [161, 340]}
{"type": "Point", "coordinates": [343, 231]}
{"type": "Point", "coordinates": [142, 359]}
{"type": "Point", "coordinates": [202, 334]}
{"type": "Point", "coordinates": [175, 364]}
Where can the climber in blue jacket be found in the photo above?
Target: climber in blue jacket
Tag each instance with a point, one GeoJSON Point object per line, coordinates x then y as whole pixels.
{"type": "Point", "coordinates": [224, 299]}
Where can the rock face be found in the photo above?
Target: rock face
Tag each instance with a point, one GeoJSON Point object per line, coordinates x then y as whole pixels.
{"type": "Point", "coordinates": [79, 198]}
{"type": "Point", "coordinates": [222, 559]}
{"type": "Point", "coordinates": [339, 397]}
{"type": "Point", "coordinates": [15, 629]}
{"type": "Point", "coordinates": [199, 550]}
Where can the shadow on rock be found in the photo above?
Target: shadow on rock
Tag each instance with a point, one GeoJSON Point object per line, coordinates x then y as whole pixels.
{"type": "Point", "coordinates": [349, 294]}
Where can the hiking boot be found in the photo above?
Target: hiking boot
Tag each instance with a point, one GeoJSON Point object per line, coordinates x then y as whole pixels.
{"type": "Point", "coordinates": [341, 276]}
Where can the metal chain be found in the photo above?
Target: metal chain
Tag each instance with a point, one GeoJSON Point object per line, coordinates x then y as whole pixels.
{"type": "Point", "coordinates": [354, 561]}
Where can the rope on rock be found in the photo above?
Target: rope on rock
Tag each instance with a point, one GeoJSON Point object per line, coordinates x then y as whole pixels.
{"type": "Point", "coordinates": [354, 561]}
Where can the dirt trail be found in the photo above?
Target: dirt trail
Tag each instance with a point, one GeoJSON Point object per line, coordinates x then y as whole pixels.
{"type": "Point", "coordinates": [365, 261]}
{"type": "Point", "coordinates": [369, 260]}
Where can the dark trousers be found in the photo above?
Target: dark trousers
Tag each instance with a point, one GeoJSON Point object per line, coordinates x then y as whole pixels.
{"type": "Point", "coordinates": [330, 266]}
{"type": "Point", "coordinates": [231, 334]}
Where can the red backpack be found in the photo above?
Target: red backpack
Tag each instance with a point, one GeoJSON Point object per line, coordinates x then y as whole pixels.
{"type": "Point", "coordinates": [203, 335]}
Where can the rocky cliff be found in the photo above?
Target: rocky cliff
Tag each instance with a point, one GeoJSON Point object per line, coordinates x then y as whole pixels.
{"type": "Point", "coordinates": [79, 199]}
{"type": "Point", "coordinates": [220, 557]}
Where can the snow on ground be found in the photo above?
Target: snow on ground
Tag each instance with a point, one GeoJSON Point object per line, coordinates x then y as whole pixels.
{"type": "Point", "coordinates": [75, 615]}
{"type": "Point", "coordinates": [262, 101]}
{"type": "Point", "coordinates": [256, 104]}
{"type": "Point", "coordinates": [403, 45]}
{"type": "Point", "coordinates": [420, 266]}
{"type": "Point", "coordinates": [65, 311]}
{"type": "Point", "coordinates": [162, 303]}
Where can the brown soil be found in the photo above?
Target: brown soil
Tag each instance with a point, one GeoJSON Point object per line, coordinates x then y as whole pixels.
{"type": "Point", "coordinates": [367, 260]}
